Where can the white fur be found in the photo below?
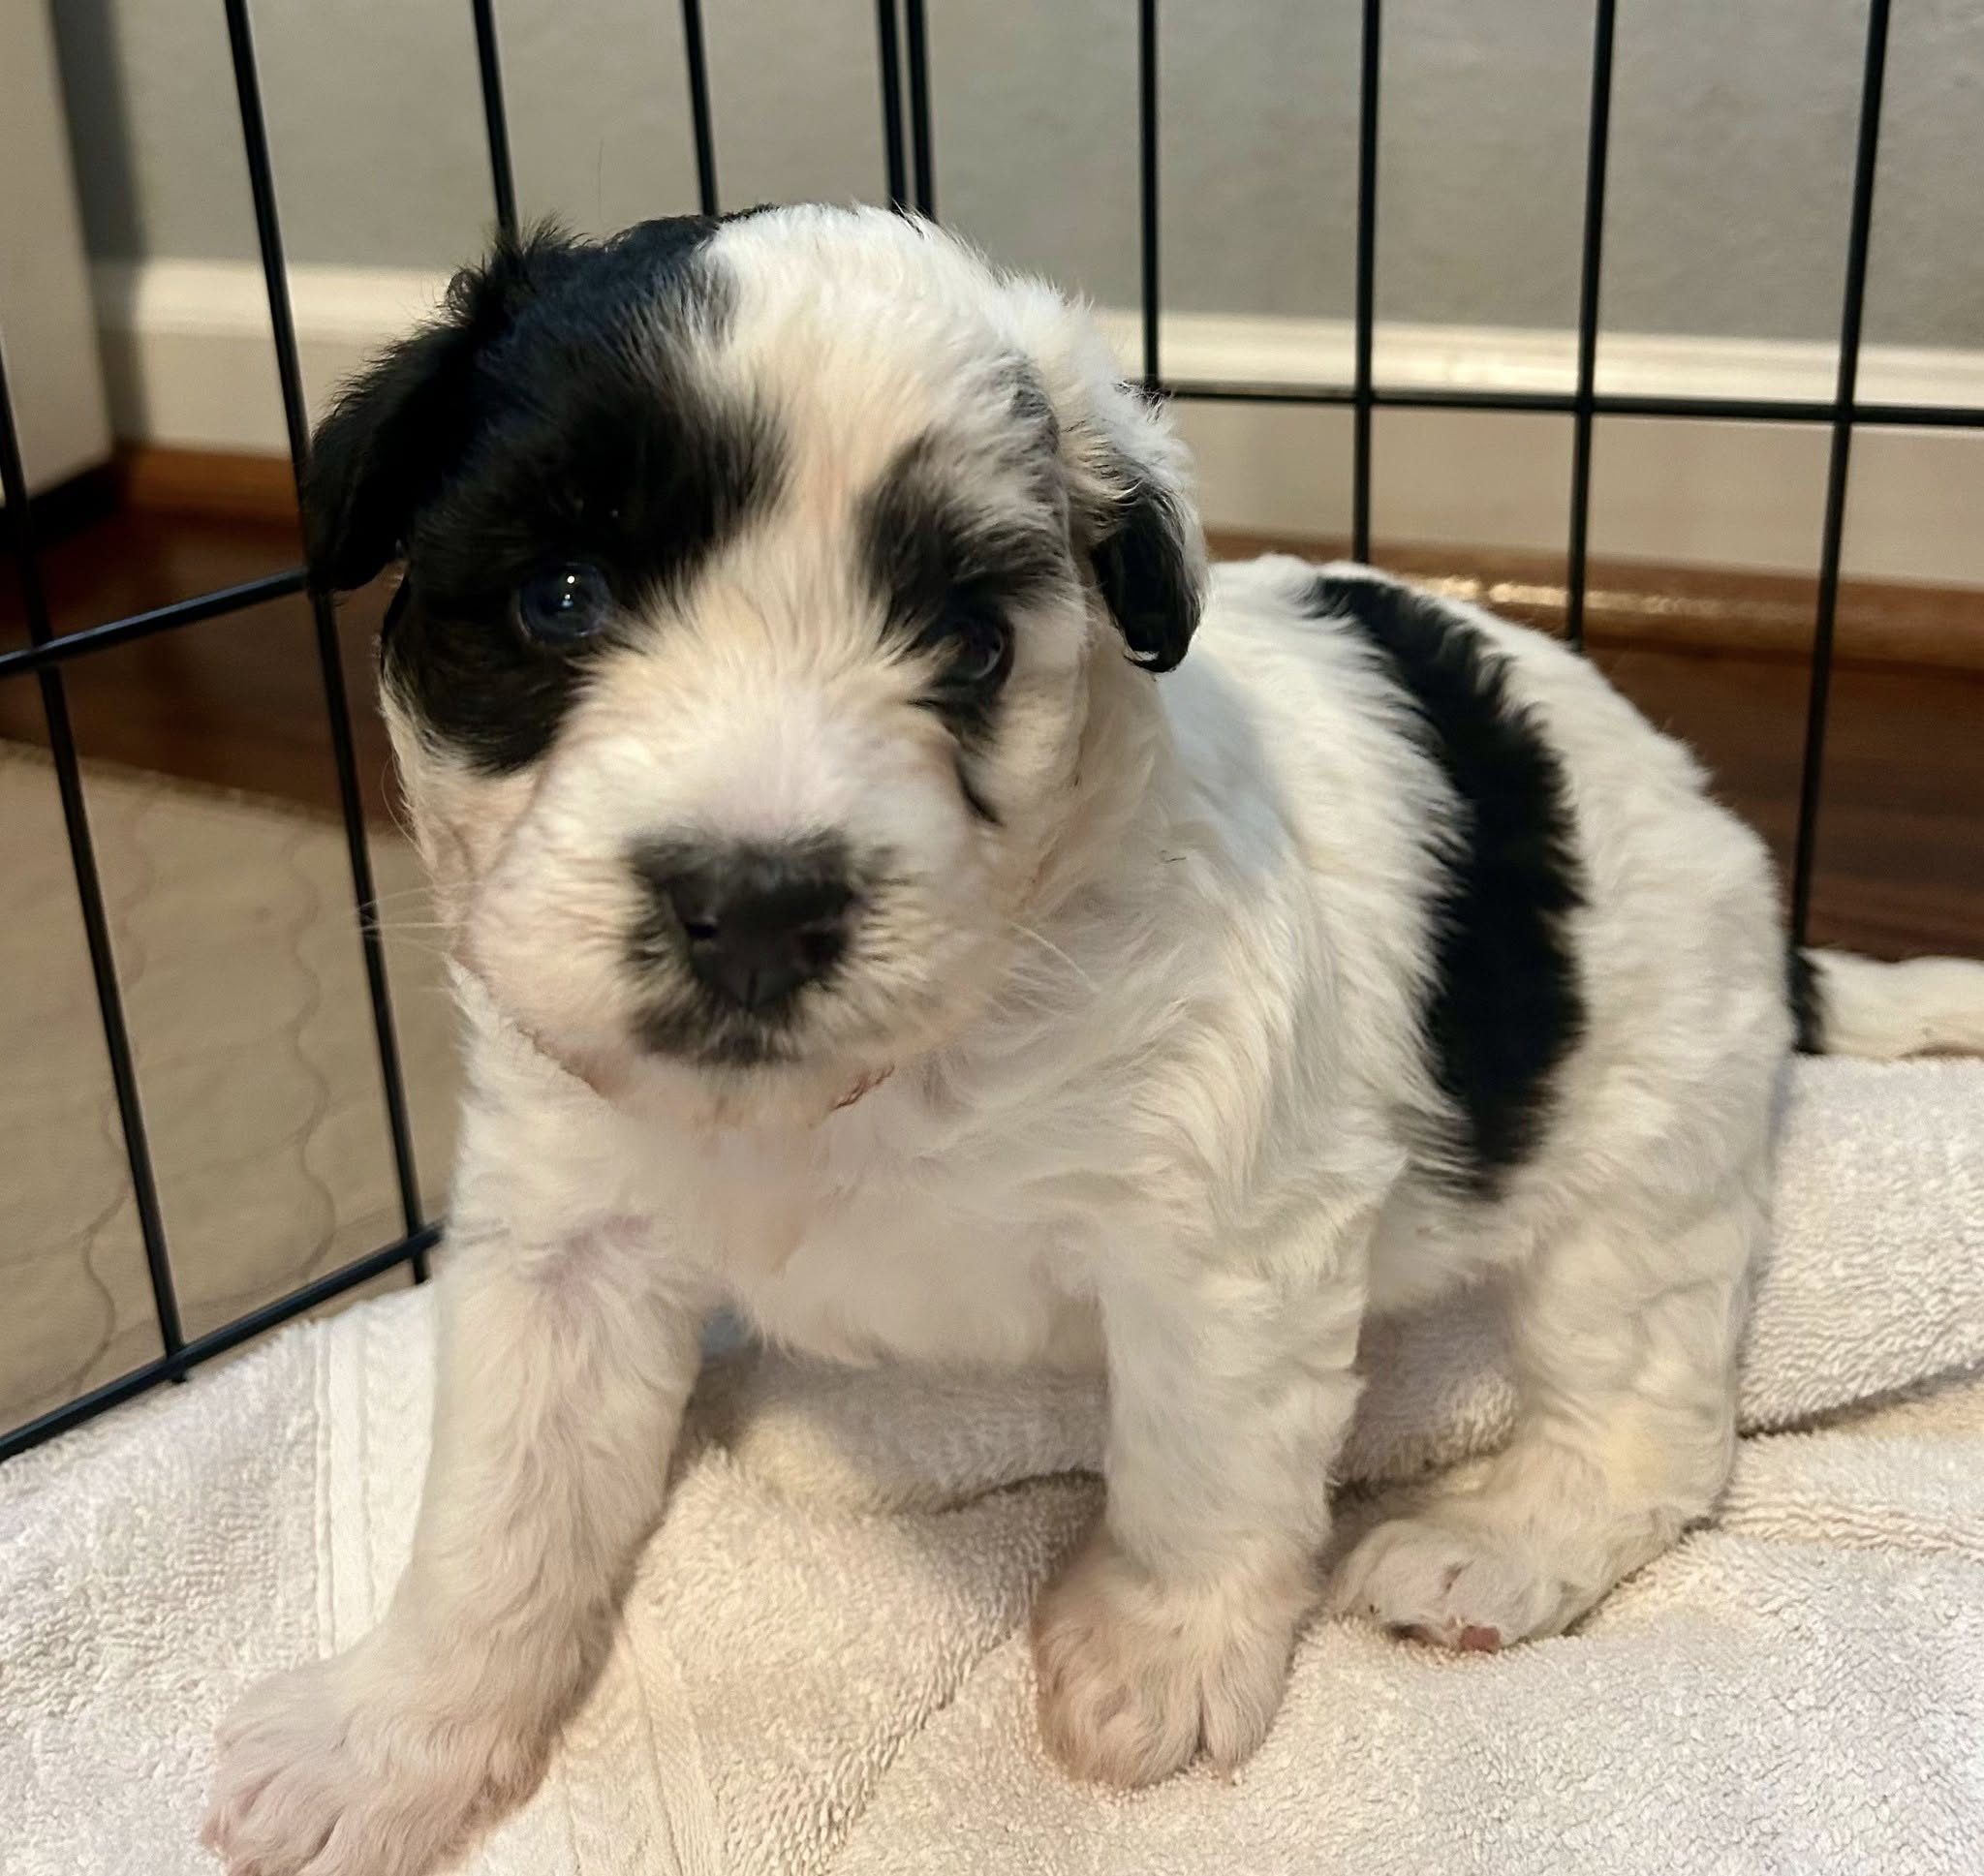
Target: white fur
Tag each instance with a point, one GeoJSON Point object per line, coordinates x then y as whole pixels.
{"type": "Point", "coordinates": [1149, 1059]}
{"type": "Point", "coordinates": [1884, 1011]}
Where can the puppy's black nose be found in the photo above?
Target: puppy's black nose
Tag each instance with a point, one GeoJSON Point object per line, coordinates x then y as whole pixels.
{"type": "Point", "coordinates": [756, 924]}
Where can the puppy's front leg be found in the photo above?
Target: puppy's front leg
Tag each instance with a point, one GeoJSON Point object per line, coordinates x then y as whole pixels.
{"type": "Point", "coordinates": [564, 1363]}
{"type": "Point", "coordinates": [1231, 1389]}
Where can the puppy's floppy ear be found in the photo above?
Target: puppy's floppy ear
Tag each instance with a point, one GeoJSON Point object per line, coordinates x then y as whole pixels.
{"type": "Point", "coordinates": [1128, 479]}
{"type": "Point", "coordinates": [398, 429]}
{"type": "Point", "coordinates": [1148, 553]}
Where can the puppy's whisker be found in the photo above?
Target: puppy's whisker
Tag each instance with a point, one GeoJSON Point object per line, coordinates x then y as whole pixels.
{"type": "Point", "coordinates": [1053, 950]}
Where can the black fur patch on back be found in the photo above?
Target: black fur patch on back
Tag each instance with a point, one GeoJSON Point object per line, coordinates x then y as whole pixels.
{"type": "Point", "coordinates": [1808, 1002]}
{"type": "Point", "coordinates": [1506, 1006]}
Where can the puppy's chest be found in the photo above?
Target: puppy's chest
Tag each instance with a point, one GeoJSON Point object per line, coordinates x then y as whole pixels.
{"type": "Point", "coordinates": [853, 1247]}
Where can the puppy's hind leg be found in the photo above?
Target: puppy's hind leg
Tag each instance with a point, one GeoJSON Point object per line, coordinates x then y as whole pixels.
{"type": "Point", "coordinates": [1625, 1337]}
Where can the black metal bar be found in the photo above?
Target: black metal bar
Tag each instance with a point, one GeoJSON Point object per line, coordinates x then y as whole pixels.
{"type": "Point", "coordinates": [1363, 399]}
{"type": "Point", "coordinates": [1597, 150]}
{"type": "Point", "coordinates": [495, 119]}
{"type": "Point", "coordinates": [698, 105]}
{"type": "Point", "coordinates": [1216, 390]}
{"type": "Point", "coordinates": [410, 1250]}
{"type": "Point", "coordinates": [1725, 410]}
{"type": "Point", "coordinates": [89, 890]}
{"type": "Point", "coordinates": [1937, 416]}
{"type": "Point", "coordinates": [337, 708]}
{"type": "Point", "coordinates": [1722, 410]}
{"type": "Point", "coordinates": [1147, 181]}
{"type": "Point", "coordinates": [85, 1408]}
{"type": "Point", "coordinates": [889, 59]}
{"type": "Point", "coordinates": [71, 645]}
{"type": "Point", "coordinates": [922, 159]}
{"type": "Point", "coordinates": [1833, 531]}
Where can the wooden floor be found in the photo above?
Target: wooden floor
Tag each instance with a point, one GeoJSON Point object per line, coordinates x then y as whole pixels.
{"type": "Point", "coordinates": [238, 702]}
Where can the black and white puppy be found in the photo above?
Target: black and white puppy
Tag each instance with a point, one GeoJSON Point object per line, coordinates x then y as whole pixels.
{"type": "Point", "coordinates": [852, 928]}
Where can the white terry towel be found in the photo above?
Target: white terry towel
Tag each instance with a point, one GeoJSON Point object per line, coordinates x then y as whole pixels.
{"type": "Point", "coordinates": [807, 1681]}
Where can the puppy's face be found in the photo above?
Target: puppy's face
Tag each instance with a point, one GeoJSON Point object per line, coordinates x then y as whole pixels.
{"type": "Point", "coordinates": [754, 576]}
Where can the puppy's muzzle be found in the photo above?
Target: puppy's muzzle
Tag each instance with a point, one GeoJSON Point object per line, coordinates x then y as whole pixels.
{"type": "Point", "coordinates": [754, 924]}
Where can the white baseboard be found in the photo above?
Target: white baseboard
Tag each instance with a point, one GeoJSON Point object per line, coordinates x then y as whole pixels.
{"type": "Point", "coordinates": [189, 365]}
{"type": "Point", "coordinates": [188, 358]}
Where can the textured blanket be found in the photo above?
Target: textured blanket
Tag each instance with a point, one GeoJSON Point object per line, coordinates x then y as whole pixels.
{"type": "Point", "coordinates": [823, 1664]}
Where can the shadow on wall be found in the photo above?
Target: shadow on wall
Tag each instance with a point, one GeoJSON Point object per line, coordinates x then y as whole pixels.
{"type": "Point", "coordinates": [99, 107]}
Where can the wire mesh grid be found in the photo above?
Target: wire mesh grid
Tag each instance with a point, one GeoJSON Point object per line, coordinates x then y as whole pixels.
{"type": "Point", "coordinates": [903, 69]}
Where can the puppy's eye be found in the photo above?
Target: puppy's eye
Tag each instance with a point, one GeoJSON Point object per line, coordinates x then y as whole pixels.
{"type": "Point", "coordinates": [980, 652]}
{"type": "Point", "coordinates": [562, 605]}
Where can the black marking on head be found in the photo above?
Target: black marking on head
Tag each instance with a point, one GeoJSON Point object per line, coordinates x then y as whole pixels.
{"type": "Point", "coordinates": [544, 425]}
{"type": "Point", "coordinates": [1506, 1006]}
{"type": "Point", "coordinates": [952, 573]}
{"type": "Point", "coordinates": [1807, 998]}
{"type": "Point", "coordinates": [398, 428]}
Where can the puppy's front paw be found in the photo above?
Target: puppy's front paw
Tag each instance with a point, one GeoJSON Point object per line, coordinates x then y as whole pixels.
{"type": "Point", "coordinates": [349, 1768]}
{"type": "Point", "coordinates": [1137, 1674]}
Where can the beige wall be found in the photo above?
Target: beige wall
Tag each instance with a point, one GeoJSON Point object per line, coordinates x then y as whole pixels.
{"type": "Point", "coordinates": [1733, 119]}
{"type": "Point", "coordinates": [53, 380]}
